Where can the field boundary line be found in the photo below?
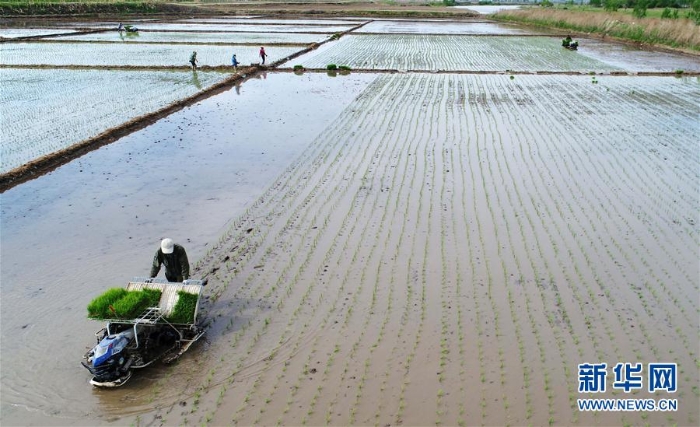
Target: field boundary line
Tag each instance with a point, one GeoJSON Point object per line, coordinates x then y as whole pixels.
{"type": "Point", "coordinates": [72, 41]}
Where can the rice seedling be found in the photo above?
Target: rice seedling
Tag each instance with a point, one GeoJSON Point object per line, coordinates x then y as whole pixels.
{"type": "Point", "coordinates": [99, 306]}
{"type": "Point", "coordinates": [184, 309]}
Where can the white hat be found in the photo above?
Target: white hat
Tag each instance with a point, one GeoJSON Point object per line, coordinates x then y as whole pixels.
{"type": "Point", "coordinates": [167, 246]}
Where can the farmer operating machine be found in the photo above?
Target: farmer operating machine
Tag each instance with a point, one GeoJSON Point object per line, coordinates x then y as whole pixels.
{"type": "Point", "coordinates": [149, 320]}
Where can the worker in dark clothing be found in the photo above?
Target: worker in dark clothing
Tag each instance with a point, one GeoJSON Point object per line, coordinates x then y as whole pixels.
{"type": "Point", "coordinates": [174, 257]}
{"type": "Point", "coordinates": [566, 42]}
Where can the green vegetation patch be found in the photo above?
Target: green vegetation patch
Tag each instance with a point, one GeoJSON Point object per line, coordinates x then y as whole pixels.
{"type": "Point", "coordinates": [677, 33]}
{"type": "Point", "coordinates": [184, 309]}
{"type": "Point", "coordinates": [99, 307]}
{"type": "Point", "coordinates": [118, 303]}
{"type": "Point", "coordinates": [90, 7]}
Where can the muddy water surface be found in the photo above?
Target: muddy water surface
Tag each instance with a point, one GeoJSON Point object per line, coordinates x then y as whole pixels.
{"type": "Point", "coordinates": [634, 58]}
{"type": "Point", "coordinates": [96, 222]}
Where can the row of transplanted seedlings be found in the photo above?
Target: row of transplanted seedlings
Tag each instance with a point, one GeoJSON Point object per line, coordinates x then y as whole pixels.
{"type": "Point", "coordinates": [272, 204]}
{"type": "Point", "coordinates": [365, 210]}
{"type": "Point", "coordinates": [448, 137]}
{"type": "Point", "coordinates": [582, 247]}
{"type": "Point", "coordinates": [504, 175]}
{"type": "Point", "coordinates": [303, 215]}
{"type": "Point", "coordinates": [396, 134]}
{"type": "Point", "coordinates": [448, 52]}
{"type": "Point", "coordinates": [464, 259]}
{"type": "Point", "coordinates": [624, 177]}
{"type": "Point", "coordinates": [363, 278]}
{"type": "Point", "coordinates": [567, 321]}
{"type": "Point", "coordinates": [642, 261]}
{"type": "Point", "coordinates": [289, 290]}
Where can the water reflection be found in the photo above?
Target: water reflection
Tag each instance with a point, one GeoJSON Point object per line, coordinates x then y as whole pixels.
{"type": "Point", "coordinates": [124, 35]}
{"type": "Point", "coordinates": [195, 80]}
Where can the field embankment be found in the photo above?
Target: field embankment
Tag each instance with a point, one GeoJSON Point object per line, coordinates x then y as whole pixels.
{"type": "Point", "coordinates": [682, 34]}
{"type": "Point", "coordinates": [10, 8]}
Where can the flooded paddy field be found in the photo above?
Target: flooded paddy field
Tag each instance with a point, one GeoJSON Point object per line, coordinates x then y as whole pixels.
{"type": "Point", "coordinates": [382, 248]}
{"type": "Point", "coordinates": [452, 53]}
{"type": "Point", "coordinates": [199, 37]}
{"type": "Point", "coordinates": [488, 53]}
{"type": "Point", "coordinates": [454, 246]}
{"type": "Point", "coordinates": [242, 27]}
{"type": "Point", "coordinates": [441, 27]}
{"type": "Point", "coordinates": [11, 33]}
{"type": "Point", "coordinates": [109, 208]}
{"type": "Point", "coordinates": [256, 20]}
{"type": "Point", "coordinates": [31, 97]}
{"type": "Point", "coordinates": [134, 55]}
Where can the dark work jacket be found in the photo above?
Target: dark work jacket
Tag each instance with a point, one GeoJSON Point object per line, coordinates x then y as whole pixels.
{"type": "Point", "coordinates": [177, 267]}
